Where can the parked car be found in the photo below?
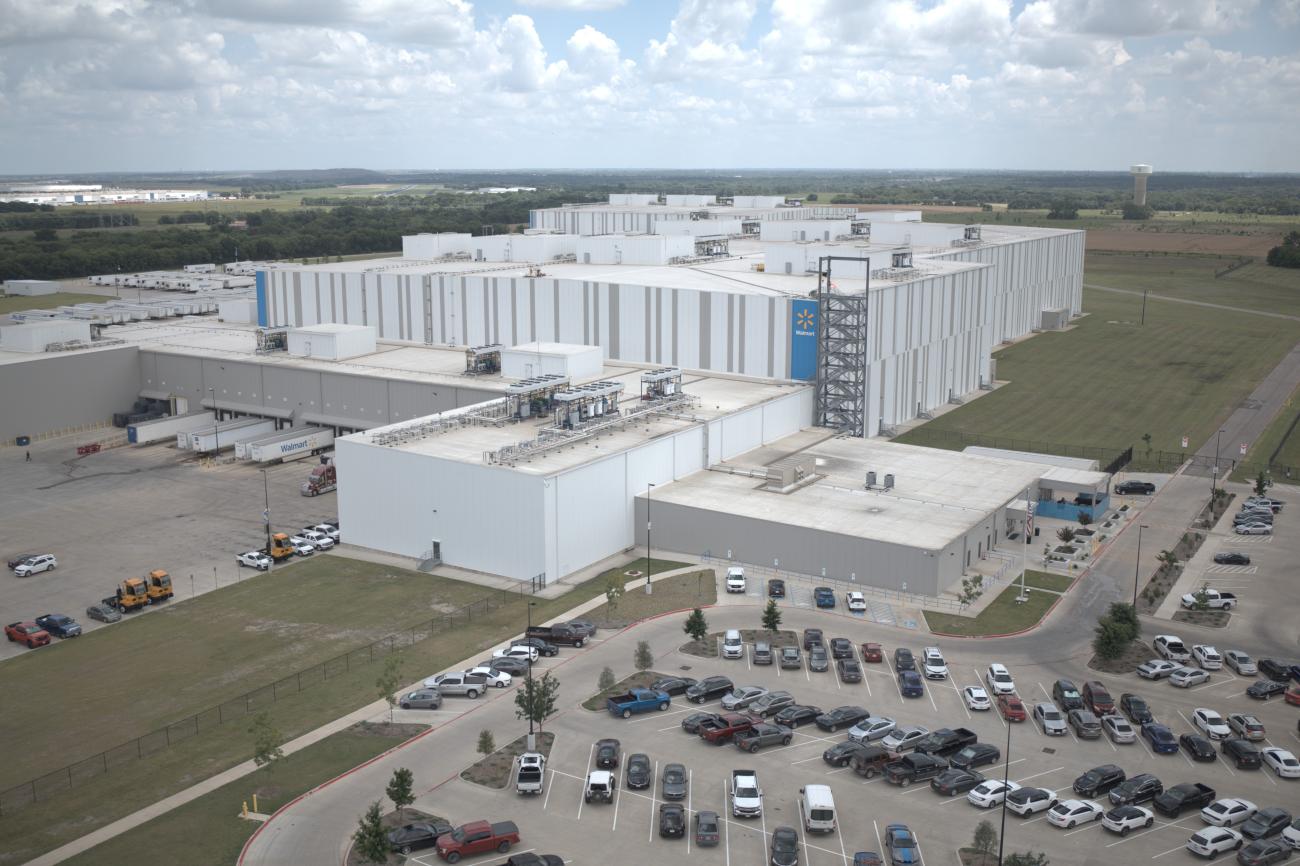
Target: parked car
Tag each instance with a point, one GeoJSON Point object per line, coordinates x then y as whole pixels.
{"type": "Point", "coordinates": [1071, 813]}
{"type": "Point", "coordinates": [421, 699]}
{"type": "Point", "coordinates": [1118, 729]}
{"type": "Point", "coordinates": [976, 698]}
{"type": "Point", "coordinates": [708, 688]}
{"type": "Point", "coordinates": [933, 664]}
{"type": "Point", "coordinates": [855, 602]}
{"type": "Point", "coordinates": [1159, 738]}
{"type": "Point", "coordinates": [1210, 842]}
{"type": "Point", "coordinates": [872, 760]}
{"type": "Point", "coordinates": [785, 847]}
{"type": "Point", "coordinates": [1264, 852]}
{"type": "Point", "coordinates": [1266, 822]}
{"type": "Point", "coordinates": [1211, 723]}
{"type": "Point", "coordinates": [1197, 748]}
{"type": "Point", "coordinates": [1050, 719]}
{"type": "Point", "coordinates": [735, 580]}
{"type": "Point", "coordinates": [494, 678]}
{"type": "Point", "coordinates": [1275, 670]}
{"type": "Point", "coordinates": [673, 686]}
{"type": "Point", "coordinates": [910, 684]}
{"type": "Point", "coordinates": [824, 597]}
{"type": "Point", "coordinates": [740, 697]}
{"type": "Point", "coordinates": [672, 821]}
{"type": "Point", "coordinates": [1242, 753]}
{"type": "Point", "coordinates": [1067, 697]}
{"type": "Point", "coordinates": [60, 625]}
{"type": "Point", "coordinates": [872, 653]}
{"type": "Point", "coordinates": [1240, 662]}
{"type": "Point", "coordinates": [1246, 725]}
{"type": "Point", "coordinates": [1228, 812]}
{"type": "Point", "coordinates": [514, 667]}
{"type": "Point", "coordinates": [1028, 801]}
{"type": "Point", "coordinates": [36, 564]}
{"type": "Point", "coordinates": [799, 714]}
{"type": "Point", "coordinates": [772, 702]}
{"type": "Point", "coordinates": [903, 660]}
{"type": "Point", "coordinates": [1099, 780]}
{"type": "Point", "coordinates": [1171, 648]}
{"type": "Point", "coordinates": [585, 627]}
{"type": "Point", "coordinates": [1181, 797]}
{"type": "Point", "coordinates": [15, 561]}
{"type": "Point", "coordinates": [254, 559]}
{"type": "Point", "coordinates": [849, 670]}
{"type": "Point", "coordinates": [999, 679]}
{"type": "Point", "coordinates": [1125, 819]}
{"type": "Point", "coordinates": [871, 728]}
{"type": "Point", "coordinates": [988, 794]}
{"type": "Point", "coordinates": [103, 613]}
{"type": "Point", "coordinates": [791, 658]}
{"type": "Point", "coordinates": [416, 835]}
{"type": "Point", "coordinates": [542, 646]}
{"type": "Point", "coordinates": [955, 780]}
{"type": "Point", "coordinates": [900, 842]}
{"type": "Point", "coordinates": [1262, 690]}
{"type": "Point", "coordinates": [674, 781]}
{"type": "Point", "coordinates": [1185, 678]}
{"type": "Point", "coordinates": [1011, 708]}
{"type": "Point", "coordinates": [608, 751]}
{"type": "Point", "coordinates": [1282, 762]}
{"type": "Point", "coordinates": [904, 739]}
{"type": "Point", "coordinates": [841, 717]}
{"type": "Point", "coordinates": [1132, 488]}
{"type": "Point", "coordinates": [1138, 789]}
{"type": "Point", "coordinates": [762, 735]}
{"type": "Point", "coordinates": [28, 633]}
{"type": "Point", "coordinates": [975, 755]}
{"type": "Point", "coordinates": [1135, 707]}
{"type": "Point", "coordinates": [638, 772]}
{"type": "Point", "coordinates": [843, 753]}
{"type": "Point", "coordinates": [818, 661]}
{"type": "Point", "coordinates": [812, 637]}
{"type": "Point", "coordinates": [762, 653]}
{"type": "Point", "coordinates": [1157, 669]}
{"type": "Point", "coordinates": [1097, 698]}
{"type": "Point", "coordinates": [516, 651]}
{"type": "Point", "coordinates": [722, 729]}
{"type": "Point", "coordinates": [1231, 559]}
{"type": "Point", "coordinates": [708, 829]}
{"type": "Point", "coordinates": [776, 588]}
{"type": "Point", "coordinates": [1086, 725]}
{"type": "Point", "coordinates": [1207, 657]}
{"type": "Point", "coordinates": [1254, 529]}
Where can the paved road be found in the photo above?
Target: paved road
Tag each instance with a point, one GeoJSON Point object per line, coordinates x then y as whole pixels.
{"type": "Point", "coordinates": [1209, 304]}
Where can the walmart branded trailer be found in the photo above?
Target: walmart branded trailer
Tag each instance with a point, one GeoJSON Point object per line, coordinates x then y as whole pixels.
{"type": "Point", "coordinates": [290, 444]}
{"type": "Point", "coordinates": [164, 429]}
{"type": "Point", "coordinates": [226, 434]}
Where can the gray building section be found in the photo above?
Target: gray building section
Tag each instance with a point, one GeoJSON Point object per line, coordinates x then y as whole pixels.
{"type": "Point", "coordinates": [56, 391]}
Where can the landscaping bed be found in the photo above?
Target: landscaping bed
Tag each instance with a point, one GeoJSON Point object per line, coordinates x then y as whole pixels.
{"type": "Point", "coordinates": [708, 648]}
{"type": "Point", "coordinates": [493, 771]}
{"type": "Point", "coordinates": [1003, 615]}
{"type": "Point", "coordinates": [408, 815]}
{"type": "Point", "coordinates": [1209, 618]}
{"type": "Point", "coordinates": [639, 680]}
{"type": "Point", "coordinates": [1164, 577]}
{"type": "Point", "coordinates": [1137, 653]}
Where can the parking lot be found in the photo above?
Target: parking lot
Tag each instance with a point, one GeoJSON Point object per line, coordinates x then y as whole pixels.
{"type": "Point", "coordinates": [559, 821]}
{"type": "Point", "coordinates": [126, 511]}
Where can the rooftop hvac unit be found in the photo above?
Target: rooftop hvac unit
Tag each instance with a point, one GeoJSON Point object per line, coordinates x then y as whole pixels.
{"type": "Point", "coordinates": [871, 480]}
{"type": "Point", "coordinates": [889, 481]}
{"type": "Point", "coordinates": [972, 233]}
{"type": "Point", "coordinates": [902, 259]}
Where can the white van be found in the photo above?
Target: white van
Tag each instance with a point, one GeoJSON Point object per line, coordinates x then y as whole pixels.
{"type": "Point", "coordinates": [732, 646]}
{"type": "Point", "coordinates": [818, 808]}
{"type": "Point", "coordinates": [735, 579]}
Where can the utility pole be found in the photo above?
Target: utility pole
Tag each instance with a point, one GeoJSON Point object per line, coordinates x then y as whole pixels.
{"type": "Point", "coordinates": [532, 739]}
{"type": "Point", "coordinates": [1137, 566]}
{"type": "Point", "coordinates": [1006, 769]}
{"type": "Point", "coordinates": [216, 426]}
{"type": "Point", "coordinates": [1143, 321]}
{"type": "Point", "coordinates": [648, 590]}
{"type": "Point", "coordinates": [266, 513]}
{"type": "Point", "coordinates": [1214, 478]}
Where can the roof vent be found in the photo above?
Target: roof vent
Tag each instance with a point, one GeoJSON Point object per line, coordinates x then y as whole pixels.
{"type": "Point", "coordinates": [871, 480]}
{"type": "Point", "coordinates": [889, 482]}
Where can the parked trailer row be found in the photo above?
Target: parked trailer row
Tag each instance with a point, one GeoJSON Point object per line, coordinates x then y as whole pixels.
{"type": "Point", "coordinates": [164, 429]}
{"type": "Point", "coordinates": [224, 435]}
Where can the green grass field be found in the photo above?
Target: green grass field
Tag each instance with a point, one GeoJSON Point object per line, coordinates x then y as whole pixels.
{"type": "Point", "coordinates": [1044, 580]}
{"type": "Point", "coordinates": [13, 303]}
{"type": "Point", "coordinates": [209, 832]}
{"type": "Point", "coordinates": [321, 607]}
{"type": "Point", "coordinates": [1262, 448]}
{"type": "Point", "coordinates": [1108, 381]}
{"type": "Point", "coordinates": [1002, 616]}
{"type": "Point", "coordinates": [1255, 286]}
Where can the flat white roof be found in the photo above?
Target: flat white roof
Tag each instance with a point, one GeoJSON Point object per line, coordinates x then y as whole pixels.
{"type": "Point", "coordinates": [543, 348]}
{"type": "Point", "coordinates": [937, 497]}
{"type": "Point", "coordinates": [1033, 457]}
{"type": "Point", "coordinates": [333, 328]}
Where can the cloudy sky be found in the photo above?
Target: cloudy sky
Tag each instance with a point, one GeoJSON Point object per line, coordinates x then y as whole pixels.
{"type": "Point", "coordinates": [95, 85]}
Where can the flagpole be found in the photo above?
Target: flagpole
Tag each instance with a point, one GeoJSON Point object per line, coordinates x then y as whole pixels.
{"type": "Point", "coordinates": [1029, 526]}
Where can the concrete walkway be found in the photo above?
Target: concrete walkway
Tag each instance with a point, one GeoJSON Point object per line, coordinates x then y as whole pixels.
{"type": "Point", "coordinates": [376, 711]}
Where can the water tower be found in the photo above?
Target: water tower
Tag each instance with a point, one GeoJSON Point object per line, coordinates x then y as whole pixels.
{"type": "Point", "coordinates": [1140, 174]}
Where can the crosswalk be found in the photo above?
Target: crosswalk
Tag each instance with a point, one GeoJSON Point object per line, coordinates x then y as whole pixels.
{"type": "Point", "coordinates": [1232, 569]}
{"type": "Point", "coordinates": [1250, 539]}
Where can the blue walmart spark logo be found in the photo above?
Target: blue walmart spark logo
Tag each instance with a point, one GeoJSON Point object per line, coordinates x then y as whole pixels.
{"type": "Point", "coordinates": [804, 320]}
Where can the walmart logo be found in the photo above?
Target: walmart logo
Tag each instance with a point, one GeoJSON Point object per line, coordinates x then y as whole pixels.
{"type": "Point", "coordinates": [804, 320]}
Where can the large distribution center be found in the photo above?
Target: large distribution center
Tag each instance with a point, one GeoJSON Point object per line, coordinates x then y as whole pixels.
{"type": "Point", "coordinates": [518, 401]}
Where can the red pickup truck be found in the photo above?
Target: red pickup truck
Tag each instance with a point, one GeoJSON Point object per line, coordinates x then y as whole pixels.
{"type": "Point", "coordinates": [27, 633]}
{"type": "Point", "coordinates": [722, 728]}
{"type": "Point", "coordinates": [477, 837]}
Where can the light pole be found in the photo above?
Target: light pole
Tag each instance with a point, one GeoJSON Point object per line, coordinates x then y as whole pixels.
{"type": "Point", "coordinates": [216, 424]}
{"type": "Point", "coordinates": [266, 512]}
{"type": "Point", "coordinates": [532, 696]}
{"type": "Point", "coordinates": [1137, 566]}
{"type": "Point", "coordinates": [1006, 768]}
{"type": "Point", "coordinates": [649, 487]}
{"type": "Point", "coordinates": [1214, 477]}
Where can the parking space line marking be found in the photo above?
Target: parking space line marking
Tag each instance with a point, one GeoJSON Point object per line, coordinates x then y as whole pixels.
{"type": "Point", "coordinates": [582, 794]}
{"type": "Point", "coordinates": [920, 858]}
{"type": "Point", "coordinates": [1036, 775]}
{"type": "Point", "coordinates": [547, 799]}
{"type": "Point", "coordinates": [654, 779]}
{"type": "Point", "coordinates": [879, 845]}
{"type": "Point", "coordinates": [1170, 851]}
{"type": "Point", "coordinates": [960, 698]}
{"type": "Point", "coordinates": [1146, 831]}
{"type": "Point", "coordinates": [689, 780]}
{"type": "Point", "coordinates": [726, 824]}
{"type": "Point", "coordinates": [660, 715]}
{"type": "Point", "coordinates": [618, 789]}
{"type": "Point", "coordinates": [840, 836]}
{"type": "Point", "coordinates": [1089, 826]}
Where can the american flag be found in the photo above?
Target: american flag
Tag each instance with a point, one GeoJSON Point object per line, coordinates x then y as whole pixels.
{"type": "Point", "coordinates": [1029, 521]}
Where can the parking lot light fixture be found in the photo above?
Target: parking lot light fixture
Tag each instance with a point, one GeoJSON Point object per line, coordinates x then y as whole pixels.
{"type": "Point", "coordinates": [648, 589]}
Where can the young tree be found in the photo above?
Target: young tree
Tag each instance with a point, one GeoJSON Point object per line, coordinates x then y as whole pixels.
{"type": "Point", "coordinates": [266, 741]}
{"type": "Point", "coordinates": [1201, 598]}
{"type": "Point", "coordinates": [370, 840]}
{"type": "Point", "coordinates": [771, 616]}
{"type": "Point", "coordinates": [971, 589]}
{"type": "Point", "coordinates": [644, 658]}
{"type": "Point", "coordinates": [1084, 518]}
{"type": "Point", "coordinates": [1110, 639]}
{"type": "Point", "coordinates": [613, 591]}
{"type": "Point", "coordinates": [986, 838]}
{"type": "Point", "coordinates": [389, 680]}
{"type": "Point", "coordinates": [1261, 483]}
{"type": "Point", "coordinates": [535, 700]}
{"type": "Point", "coordinates": [487, 744]}
{"type": "Point", "coordinates": [400, 789]}
{"type": "Point", "coordinates": [1125, 615]}
{"type": "Point", "coordinates": [1066, 534]}
{"type": "Point", "coordinates": [606, 681]}
{"type": "Point", "coordinates": [1146, 438]}
{"type": "Point", "coordinates": [696, 626]}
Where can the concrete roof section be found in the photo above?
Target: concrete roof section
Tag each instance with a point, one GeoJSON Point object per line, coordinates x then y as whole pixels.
{"type": "Point", "coordinates": [937, 496]}
{"type": "Point", "coordinates": [716, 396]}
{"type": "Point", "coordinates": [1032, 457]}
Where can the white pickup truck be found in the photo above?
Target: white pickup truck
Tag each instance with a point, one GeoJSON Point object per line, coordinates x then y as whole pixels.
{"type": "Point", "coordinates": [746, 795]}
{"type": "Point", "coordinates": [530, 773]}
{"type": "Point", "coordinates": [1214, 599]}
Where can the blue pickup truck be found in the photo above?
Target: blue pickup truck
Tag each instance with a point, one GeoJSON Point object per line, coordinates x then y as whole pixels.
{"type": "Point", "coordinates": [638, 701]}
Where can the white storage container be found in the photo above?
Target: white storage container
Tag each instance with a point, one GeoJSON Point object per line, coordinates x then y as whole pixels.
{"type": "Point", "coordinates": [240, 310]}
{"type": "Point", "coordinates": [30, 287]}
{"type": "Point", "coordinates": [431, 246]}
{"type": "Point", "coordinates": [562, 359]}
{"type": "Point", "coordinates": [34, 336]}
{"type": "Point", "coordinates": [331, 341]}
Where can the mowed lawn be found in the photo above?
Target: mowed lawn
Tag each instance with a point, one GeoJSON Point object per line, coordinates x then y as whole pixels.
{"type": "Point", "coordinates": [1003, 615]}
{"type": "Point", "coordinates": [14, 303]}
{"type": "Point", "coordinates": [1284, 431]}
{"type": "Point", "coordinates": [1107, 381]}
{"type": "Point", "coordinates": [1255, 286]}
{"type": "Point", "coordinates": [116, 683]}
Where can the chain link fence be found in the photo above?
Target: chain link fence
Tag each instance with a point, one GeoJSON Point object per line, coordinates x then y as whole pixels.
{"type": "Point", "coordinates": [237, 708]}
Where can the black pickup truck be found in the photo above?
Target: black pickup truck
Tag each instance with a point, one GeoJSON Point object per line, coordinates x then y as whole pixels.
{"type": "Point", "coordinates": [946, 741]}
{"type": "Point", "coordinates": [914, 768]}
{"type": "Point", "coordinates": [1178, 799]}
{"type": "Point", "coordinates": [563, 635]}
